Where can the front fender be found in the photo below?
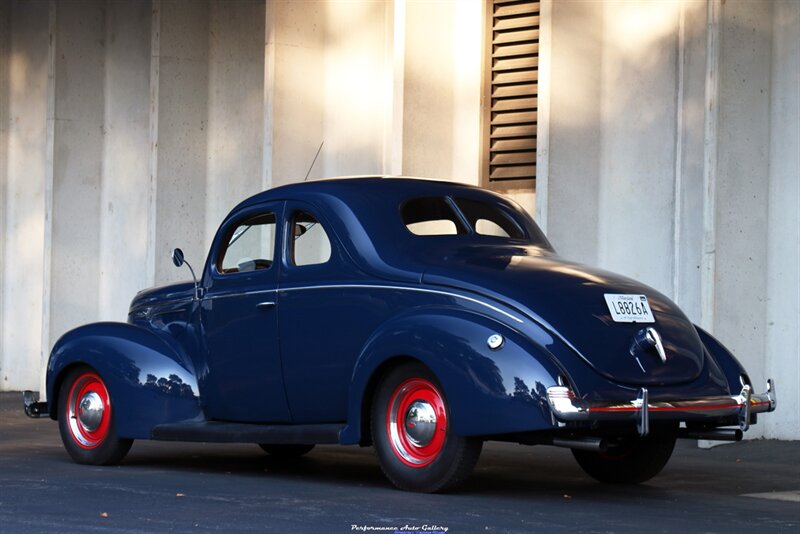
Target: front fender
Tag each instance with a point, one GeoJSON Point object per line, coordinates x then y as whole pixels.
{"type": "Point", "coordinates": [149, 379]}
{"type": "Point", "coordinates": [489, 392]}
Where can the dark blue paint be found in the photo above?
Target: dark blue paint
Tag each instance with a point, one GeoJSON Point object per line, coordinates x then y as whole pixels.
{"type": "Point", "coordinates": [148, 375]}
{"type": "Point", "coordinates": [245, 380]}
{"type": "Point", "coordinates": [384, 294]}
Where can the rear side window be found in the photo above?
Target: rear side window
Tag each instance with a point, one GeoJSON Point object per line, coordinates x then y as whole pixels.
{"type": "Point", "coordinates": [310, 244]}
{"type": "Point", "coordinates": [431, 216]}
{"type": "Point", "coordinates": [488, 219]}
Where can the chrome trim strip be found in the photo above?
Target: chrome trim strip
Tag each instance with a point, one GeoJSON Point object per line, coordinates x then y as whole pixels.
{"type": "Point", "coordinates": [405, 288]}
{"type": "Point", "coordinates": [367, 286]}
{"type": "Point", "coordinates": [240, 294]}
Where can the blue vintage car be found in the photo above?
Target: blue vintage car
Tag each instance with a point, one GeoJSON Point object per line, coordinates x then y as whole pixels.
{"type": "Point", "coordinates": [420, 317]}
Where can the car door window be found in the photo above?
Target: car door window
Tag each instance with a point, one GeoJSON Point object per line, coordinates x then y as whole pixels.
{"type": "Point", "coordinates": [310, 244]}
{"type": "Point", "coordinates": [250, 246]}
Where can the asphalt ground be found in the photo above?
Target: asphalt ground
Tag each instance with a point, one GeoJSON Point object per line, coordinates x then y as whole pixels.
{"type": "Point", "coordinates": [190, 487]}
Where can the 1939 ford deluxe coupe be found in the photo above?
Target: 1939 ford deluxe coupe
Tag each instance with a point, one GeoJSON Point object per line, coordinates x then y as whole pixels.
{"type": "Point", "coordinates": [420, 317]}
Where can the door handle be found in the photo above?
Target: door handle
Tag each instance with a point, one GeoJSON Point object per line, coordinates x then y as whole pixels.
{"type": "Point", "coordinates": [265, 305]}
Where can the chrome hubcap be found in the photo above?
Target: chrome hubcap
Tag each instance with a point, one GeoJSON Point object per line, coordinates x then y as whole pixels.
{"type": "Point", "coordinates": [90, 411]}
{"type": "Point", "coordinates": [420, 423]}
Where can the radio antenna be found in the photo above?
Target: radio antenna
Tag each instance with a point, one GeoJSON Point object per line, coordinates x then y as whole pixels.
{"type": "Point", "coordinates": [314, 161]}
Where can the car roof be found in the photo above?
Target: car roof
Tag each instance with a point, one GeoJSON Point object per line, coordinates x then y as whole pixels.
{"type": "Point", "coordinates": [350, 186]}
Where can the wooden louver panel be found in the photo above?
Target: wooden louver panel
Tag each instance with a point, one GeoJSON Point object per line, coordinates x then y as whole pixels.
{"type": "Point", "coordinates": [512, 93]}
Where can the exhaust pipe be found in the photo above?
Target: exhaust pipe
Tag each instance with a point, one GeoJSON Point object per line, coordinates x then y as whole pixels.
{"type": "Point", "coordinates": [713, 434]}
{"type": "Point", "coordinates": [584, 444]}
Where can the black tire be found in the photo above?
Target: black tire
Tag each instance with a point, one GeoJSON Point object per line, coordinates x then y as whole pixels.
{"type": "Point", "coordinates": [93, 445]}
{"type": "Point", "coordinates": [286, 451]}
{"type": "Point", "coordinates": [633, 461]}
{"type": "Point", "coordinates": [435, 464]}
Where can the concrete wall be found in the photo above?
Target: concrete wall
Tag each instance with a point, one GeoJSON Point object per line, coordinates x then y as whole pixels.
{"type": "Point", "coordinates": [5, 45]}
{"type": "Point", "coordinates": [27, 176]}
{"type": "Point", "coordinates": [673, 158]}
{"type": "Point", "coordinates": [669, 131]}
{"type": "Point", "coordinates": [442, 90]}
{"type": "Point", "coordinates": [783, 219]}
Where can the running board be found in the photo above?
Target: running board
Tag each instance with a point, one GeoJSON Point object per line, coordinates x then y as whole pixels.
{"type": "Point", "coordinates": [222, 432]}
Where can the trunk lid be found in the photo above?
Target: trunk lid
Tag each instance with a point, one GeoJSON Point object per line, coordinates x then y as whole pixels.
{"type": "Point", "coordinates": [569, 297]}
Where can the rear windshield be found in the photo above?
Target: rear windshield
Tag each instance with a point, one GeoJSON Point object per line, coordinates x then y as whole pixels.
{"type": "Point", "coordinates": [487, 219]}
{"type": "Point", "coordinates": [432, 216]}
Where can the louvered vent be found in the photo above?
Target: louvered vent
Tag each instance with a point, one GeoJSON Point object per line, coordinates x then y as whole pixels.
{"type": "Point", "coordinates": [511, 94]}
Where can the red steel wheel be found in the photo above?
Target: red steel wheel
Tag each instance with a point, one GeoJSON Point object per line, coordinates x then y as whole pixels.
{"type": "Point", "coordinates": [88, 411]}
{"type": "Point", "coordinates": [86, 419]}
{"type": "Point", "coordinates": [416, 422]}
{"type": "Point", "coordinates": [412, 432]}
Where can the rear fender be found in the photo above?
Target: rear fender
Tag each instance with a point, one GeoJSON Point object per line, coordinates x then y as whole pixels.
{"type": "Point", "coordinates": [489, 391]}
{"type": "Point", "coordinates": [150, 379]}
{"type": "Point", "coordinates": [730, 366]}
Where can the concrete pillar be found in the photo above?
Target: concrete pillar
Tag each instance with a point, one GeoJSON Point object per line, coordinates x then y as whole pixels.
{"type": "Point", "coordinates": [294, 90]}
{"type": "Point", "coordinates": [80, 39]}
{"type": "Point", "coordinates": [742, 191]}
{"type": "Point", "coordinates": [468, 50]}
{"type": "Point", "coordinates": [442, 90]}
{"type": "Point", "coordinates": [356, 69]}
{"type": "Point", "coordinates": [428, 90]}
{"type": "Point", "coordinates": [5, 88]}
{"type": "Point", "coordinates": [124, 196]}
{"type": "Point", "coordinates": [637, 142]}
{"type": "Point", "coordinates": [574, 129]}
{"type": "Point", "coordinates": [235, 107]}
{"type": "Point", "coordinates": [783, 221]}
{"type": "Point", "coordinates": [690, 149]}
{"type": "Point", "coordinates": [25, 174]}
{"type": "Point", "coordinates": [183, 81]}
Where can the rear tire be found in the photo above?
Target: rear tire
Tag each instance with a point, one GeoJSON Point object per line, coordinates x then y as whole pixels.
{"type": "Point", "coordinates": [285, 451]}
{"type": "Point", "coordinates": [634, 461]}
{"type": "Point", "coordinates": [413, 438]}
{"type": "Point", "coordinates": [87, 420]}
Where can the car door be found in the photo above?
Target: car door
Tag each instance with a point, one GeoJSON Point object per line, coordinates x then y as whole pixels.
{"type": "Point", "coordinates": [323, 319]}
{"type": "Point", "coordinates": [244, 379]}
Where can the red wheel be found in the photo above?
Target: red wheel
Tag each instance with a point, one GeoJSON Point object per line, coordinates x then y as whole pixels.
{"type": "Point", "coordinates": [88, 411]}
{"type": "Point", "coordinates": [86, 421]}
{"type": "Point", "coordinates": [415, 444]}
{"type": "Point", "coordinates": [416, 422]}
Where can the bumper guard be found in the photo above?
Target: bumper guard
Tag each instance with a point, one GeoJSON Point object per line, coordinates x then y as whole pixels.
{"type": "Point", "coordinates": [33, 408]}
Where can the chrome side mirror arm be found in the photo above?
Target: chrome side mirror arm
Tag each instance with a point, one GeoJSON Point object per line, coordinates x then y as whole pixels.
{"type": "Point", "coordinates": [178, 260]}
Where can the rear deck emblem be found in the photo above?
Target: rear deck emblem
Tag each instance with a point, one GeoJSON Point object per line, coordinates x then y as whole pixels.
{"type": "Point", "coordinates": [647, 339]}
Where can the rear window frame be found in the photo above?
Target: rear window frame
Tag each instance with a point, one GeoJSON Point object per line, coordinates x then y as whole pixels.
{"type": "Point", "coordinates": [452, 203]}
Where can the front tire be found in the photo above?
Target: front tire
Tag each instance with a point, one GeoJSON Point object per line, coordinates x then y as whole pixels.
{"type": "Point", "coordinates": [87, 421]}
{"type": "Point", "coordinates": [413, 438]}
{"type": "Point", "coordinates": [633, 461]}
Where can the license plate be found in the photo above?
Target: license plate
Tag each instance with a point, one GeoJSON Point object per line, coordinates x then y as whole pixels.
{"type": "Point", "coordinates": [629, 308]}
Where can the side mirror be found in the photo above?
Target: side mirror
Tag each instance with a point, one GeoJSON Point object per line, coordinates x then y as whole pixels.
{"type": "Point", "coordinates": [178, 260]}
{"type": "Point", "coordinates": [177, 257]}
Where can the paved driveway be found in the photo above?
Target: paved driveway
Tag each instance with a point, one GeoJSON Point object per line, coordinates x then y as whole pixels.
{"type": "Point", "coordinates": [177, 487]}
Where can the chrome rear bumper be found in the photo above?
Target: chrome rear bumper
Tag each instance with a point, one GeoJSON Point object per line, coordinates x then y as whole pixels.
{"type": "Point", "coordinates": [566, 407]}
